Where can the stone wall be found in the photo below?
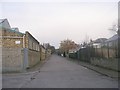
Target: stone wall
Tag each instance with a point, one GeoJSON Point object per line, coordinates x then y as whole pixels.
{"type": "Point", "coordinates": [0, 60]}
{"type": "Point", "coordinates": [12, 50]}
{"type": "Point", "coordinates": [48, 53]}
{"type": "Point", "coordinates": [43, 56]}
{"type": "Point", "coordinates": [42, 53]}
{"type": "Point", "coordinates": [11, 39]}
{"type": "Point", "coordinates": [0, 38]}
{"type": "Point", "coordinates": [12, 59]}
{"type": "Point", "coordinates": [19, 50]}
{"type": "Point", "coordinates": [26, 40]}
{"type": "Point", "coordinates": [31, 42]}
{"type": "Point", "coordinates": [106, 63]}
{"type": "Point", "coordinates": [33, 49]}
{"type": "Point", "coordinates": [12, 42]}
{"type": "Point", "coordinates": [8, 32]}
{"type": "Point", "coordinates": [33, 57]}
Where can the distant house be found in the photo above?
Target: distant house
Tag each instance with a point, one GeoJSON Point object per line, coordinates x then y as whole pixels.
{"type": "Point", "coordinates": [48, 52]}
{"type": "Point", "coordinates": [48, 49]}
{"type": "Point", "coordinates": [19, 50]}
{"type": "Point", "coordinates": [98, 43]}
{"type": "Point", "coordinates": [46, 45]}
{"type": "Point", "coordinates": [107, 48]}
{"type": "Point", "coordinates": [74, 50]}
{"type": "Point", "coordinates": [112, 41]}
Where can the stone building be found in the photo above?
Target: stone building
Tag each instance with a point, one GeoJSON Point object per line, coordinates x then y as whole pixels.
{"type": "Point", "coordinates": [19, 50]}
{"type": "Point", "coordinates": [31, 50]}
{"type": "Point", "coordinates": [42, 53]}
{"type": "Point", "coordinates": [48, 50]}
{"type": "Point", "coordinates": [48, 53]}
{"type": "Point", "coordinates": [12, 48]}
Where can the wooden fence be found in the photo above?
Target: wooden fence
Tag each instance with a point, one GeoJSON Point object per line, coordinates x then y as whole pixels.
{"type": "Point", "coordinates": [85, 54]}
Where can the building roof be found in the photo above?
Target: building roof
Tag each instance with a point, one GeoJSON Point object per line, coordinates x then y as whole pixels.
{"type": "Point", "coordinates": [115, 37]}
{"type": "Point", "coordinates": [100, 40]}
{"type": "Point", "coordinates": [42, 46]}
{"type": "Point", "coordinates": [2, 20]}
{"type": "Point", "coordinates": [15, 29]}
{"type": "Point", "coordinates": [4, 23]}
{"type": "Point", "coordinates": [32, 36]}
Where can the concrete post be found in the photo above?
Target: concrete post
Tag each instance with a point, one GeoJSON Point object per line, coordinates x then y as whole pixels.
{"type": "Point", "coordinates": [25, 62]}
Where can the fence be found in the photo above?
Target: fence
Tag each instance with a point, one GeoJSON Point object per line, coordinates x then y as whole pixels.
{"type": "Point", "coordinates": [89, 52]}
{"type": "Point", "coordinates": [106, 57]}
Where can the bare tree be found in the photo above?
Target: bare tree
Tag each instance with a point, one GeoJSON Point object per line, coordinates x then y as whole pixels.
{"type": "Point", "coordinates": [66, 45]}
{"type": "Point", "coordinates": [114, 28]}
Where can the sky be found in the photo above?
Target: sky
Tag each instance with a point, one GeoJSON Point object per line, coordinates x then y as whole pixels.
{"type": "Point", "coordinates": [51, 21]}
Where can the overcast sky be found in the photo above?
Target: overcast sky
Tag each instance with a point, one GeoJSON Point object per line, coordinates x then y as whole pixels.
{"type": "Point", "coordinates": [55, 20]}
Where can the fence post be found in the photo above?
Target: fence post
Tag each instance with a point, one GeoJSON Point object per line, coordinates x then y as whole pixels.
{"type": "Point", "coordinates": [108, 48]}
{"type": "Point", "coordinates": [25, 63]}
{"type": "Point", "coordinates": [78, 55]}
{"type": "Point", "coordinates": [95, 51]}
{"type": "Point", "coordinates": [89, 53]}
{"type": "Point", "coordinates": [102, 52]}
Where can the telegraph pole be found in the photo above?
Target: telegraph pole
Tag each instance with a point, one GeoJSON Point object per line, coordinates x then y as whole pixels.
{"type": "Point", "coordinates": [118, 30]}
{"type": "Point", "coordinates": [118, 43]}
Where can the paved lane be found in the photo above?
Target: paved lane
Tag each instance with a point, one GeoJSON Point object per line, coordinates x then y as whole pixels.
{"type": "Point", "coordinates": [61, 73]}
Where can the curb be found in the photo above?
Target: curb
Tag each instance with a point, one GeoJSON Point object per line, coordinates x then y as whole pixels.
{"type": "Point", "coordinates": [27, 72]}
{"type": "Point", "coordinates": [99, 71]}
{"type": "Point", "coordinates": [93, 68]}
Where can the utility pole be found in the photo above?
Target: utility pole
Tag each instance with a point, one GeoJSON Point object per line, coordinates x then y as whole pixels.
{"type": "Point", "coordinates": [118, 43]}
{"type": "Point", "coordinates": [118, 29]}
